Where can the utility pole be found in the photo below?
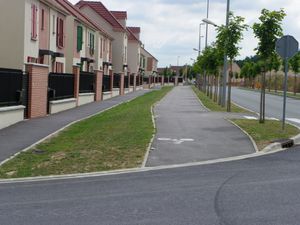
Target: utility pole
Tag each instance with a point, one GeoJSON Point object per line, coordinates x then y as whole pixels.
{"type": "Point", "coordinates": [225, 69]}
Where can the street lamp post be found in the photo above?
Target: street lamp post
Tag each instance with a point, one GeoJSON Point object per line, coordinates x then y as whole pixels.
{"type": "Point", "coordinates": [225, 60]}
{"type": "Point", "coordinates": [207, 15]}
{"type": "Point", "coordinates": [200, 36]}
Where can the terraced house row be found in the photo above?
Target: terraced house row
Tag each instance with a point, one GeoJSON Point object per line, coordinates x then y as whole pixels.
{"type": "Point", "coordinates": [55, 56]}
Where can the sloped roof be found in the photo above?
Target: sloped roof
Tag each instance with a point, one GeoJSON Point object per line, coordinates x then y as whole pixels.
{"type": "Point", "coordinates": [80, 16]}
{"type": "Point", "coordinates": [135, 30]}
{"type": "Point", "coordinates": [99, 8]}
{"type": "Point", "coordinates": [132, 36]}
{"type": "Point", "coordinates": [120, 15]}
{"type": "Point", "coordinates": [150, 54]}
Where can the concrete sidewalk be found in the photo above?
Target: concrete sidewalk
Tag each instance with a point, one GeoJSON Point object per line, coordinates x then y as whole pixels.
{"type": "Point", "coordinates": [22, 135]}
{"type": "Point", "coordinates": [186, 132]}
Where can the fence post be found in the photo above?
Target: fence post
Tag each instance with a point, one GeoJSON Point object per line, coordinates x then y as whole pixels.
{"type": "Point", "coordinates": [98, 86]}
{"type": "Point", "coordinates": [76, 72]}
{"type": "Point", "coordinates": [37, 90]}
{"type": "Point", "coordinates": [122, 91]}
{"type": "Point", "coordinates": [162, 81]}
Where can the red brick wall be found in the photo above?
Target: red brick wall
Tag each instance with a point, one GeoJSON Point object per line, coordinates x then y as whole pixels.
{"type": "Point", "coordinates": [38, 90]}
{"type": "Point", "coordinates": [122, 91]}
{"type": "Point", "coordinates": [76, 72]}
{"type": "Point", "coordinates": [98, 88]}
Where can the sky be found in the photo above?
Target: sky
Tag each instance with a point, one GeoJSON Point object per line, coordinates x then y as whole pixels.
{"type": "Point", "coordinates": [170, 28]}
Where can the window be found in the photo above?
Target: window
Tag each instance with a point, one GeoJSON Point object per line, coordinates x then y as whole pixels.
{"type": "Point", "coordinates": [60, 32]}
{"type": "Point", "coordinates": [110, 51]}
{"type": "Point", "coordinates": [79, 38]}
{"type": "Point", "coordinates": [92, 43]}
{"type": "Point", "coordinates": [43, 20]}
{"type": "Point", "coordinates": [33, 22]}
{"type": "Point", "coordinates": [125, 54]}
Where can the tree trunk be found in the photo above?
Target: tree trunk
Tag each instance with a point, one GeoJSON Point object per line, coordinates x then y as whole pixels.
{"type": "Point", "coordinates": [229, 89]}
{"type": "Point", "coordinates": [220, 90]}
{"type": "Point", "coordinates": [216, 89]}
{"type": "Point", "coordinates": [270, 78]}
{"type": "Point", "coordinates": [262, 98]}
{"type": "Point", "coordinates": [295, 84]}
{"type": "Point", "coordinates": [275, 82]}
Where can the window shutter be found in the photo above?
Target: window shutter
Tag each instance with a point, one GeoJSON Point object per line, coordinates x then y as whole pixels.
{"type": "Point", "coordinates": [33, 21]}
{"type": "Point", "coordinates": [57, 31]}
{"type": "Point", "coordinates": [79, 38]}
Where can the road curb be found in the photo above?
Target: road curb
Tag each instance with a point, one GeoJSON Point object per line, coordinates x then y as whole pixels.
{"type": "Point", "coordinates": [246, 133]}
{"type": "Point", "coordinates": [201, 103]}
{"type": "Point", "coordinates": [65, 127]}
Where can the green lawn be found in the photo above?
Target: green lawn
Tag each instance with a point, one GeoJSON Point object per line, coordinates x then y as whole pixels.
{"type": "Point", "coordinates": [213, 106]}
{"type": "Point", "coordinates": [115, 139]}
{"type": "Point", "coordinates": [264, 134]}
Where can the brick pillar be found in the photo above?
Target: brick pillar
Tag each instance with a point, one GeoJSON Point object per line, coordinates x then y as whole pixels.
{"type": "Point", "coordinates": [162, 81]}
{"type": "Point", "coordinates": [111, 82]}
{"type": "Point", "coordinates": [98, 86]}
{"type": "Point", "coordinates": [176, 81]}
{"type": "Point", "coordinates": [38, 90]}
{"type": "Point", "coordinates": [122, 79]}
{"type": "Point", "coordinates": [76, 72]}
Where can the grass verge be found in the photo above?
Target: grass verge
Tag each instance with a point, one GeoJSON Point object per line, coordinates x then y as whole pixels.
{"type": "Point", "coordinates": [264, 134]}
{"type": "Point", "coordinates": [115, 139]}
{"type": "Point", "coordinates": [213, 106]}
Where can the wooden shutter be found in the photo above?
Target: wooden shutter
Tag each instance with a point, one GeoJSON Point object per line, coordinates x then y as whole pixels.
{"type": "Point", "coordinates": [79, 38]}
{"type": "Point", "coordinates": [33, 22]}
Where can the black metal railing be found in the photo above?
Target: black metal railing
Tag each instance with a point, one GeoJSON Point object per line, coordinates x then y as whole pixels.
{"type": "Point", "coordinates": [87, 82]}
{"type": "Point", "coordinates": [146, 80]}
{"type": "Point", "coordinates": [131, 80]}
{"type": "Point", "coordinates": [11, 87]}
{"type": "Point", "coordinates": [166, 80]}
{"type": "Point", "coordinates": [117, 80]}
{"type": "Point", "coordinates": [126, 82]}
{"type": "Point", "coordinates": [180, 80]}
{"type": "Point", "coordinates": [60, 86]}
{"type": "Point", "coordinates": [106, 83]}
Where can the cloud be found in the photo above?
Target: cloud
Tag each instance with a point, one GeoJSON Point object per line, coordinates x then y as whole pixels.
{"type": "Point", "coordinates": [170, 28]}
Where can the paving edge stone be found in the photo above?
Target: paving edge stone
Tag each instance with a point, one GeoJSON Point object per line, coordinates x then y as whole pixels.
{"type": "Point", "coordinates": [246, 133]}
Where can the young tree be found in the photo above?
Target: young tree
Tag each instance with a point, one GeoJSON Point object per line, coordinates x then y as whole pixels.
{"type": "Point", "coordinates": [268, 30]}
{"type": "Point", "coordinates": [295, 66]}
{"type": "Point", "coordinates": [228, 39]}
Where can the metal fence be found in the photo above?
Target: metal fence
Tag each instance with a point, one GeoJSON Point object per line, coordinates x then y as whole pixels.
{"type": "Point", "coordinates": [166, 80]}
{"type": "Point", "coordinates": [106, 83]}
{"type": "Point", "coordinates": [60, 86]}
{"type": "Point", "coordinates": [131, 80]}
{"type": "Point", "coordinates": [87, 82]}
{"type": "Point", "coordinates": [117, 80]}
{"type": "Point", "coordinates": [11, 87]}
{"type": "Point", "coordinates": [180, 80]}
{"type": "Point", "coordinates": [146, 80]}
{"type": "Point", "coordinates": [126, 82]}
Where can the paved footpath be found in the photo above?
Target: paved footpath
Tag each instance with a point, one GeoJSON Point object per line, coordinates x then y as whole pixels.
{"type": "Point", "coordinates": [187, 132]}
{"type": "Point", "coordinates": [22, 135]}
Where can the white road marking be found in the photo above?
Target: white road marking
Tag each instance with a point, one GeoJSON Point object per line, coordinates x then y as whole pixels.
{"type": "Point", "coordinates": [164, 139]}
{"type": "Point", "coordinates": [272, 118]}
{"type": "Point", "coordinates": [250, 117]}
{"type": "Point", "coordinates": [294, 120]}
{"type": "Point", "coordinates": [176, 141]}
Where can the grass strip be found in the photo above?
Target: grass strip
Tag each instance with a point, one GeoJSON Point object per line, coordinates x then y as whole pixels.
{"type": "Point", "coordinates": [115, 139]}
{"type": "Point", "coordinates": [264, 134]}
{"type": "Point", "coordinates": [213, 106]}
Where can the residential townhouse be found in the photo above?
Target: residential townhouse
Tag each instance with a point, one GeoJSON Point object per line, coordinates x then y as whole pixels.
{"type": "Point", "coordinates": [149, 63]}
{"type": "Point", "coordinates": [33, 31]}
{"type": "Point", "coordinates": [101, 16]}
{"type": "Point", "coordinates": [134, 54]}
{"type": "Point", "coordinates": [91, 48]}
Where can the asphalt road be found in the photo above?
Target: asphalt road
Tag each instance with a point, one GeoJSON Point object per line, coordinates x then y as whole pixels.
{"type": "Point", "coordinates": [274, 104]}
{"type": "Point", "coordinates": [257, 191]}
{"type": "Point", "coordinates": [186, 132]}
